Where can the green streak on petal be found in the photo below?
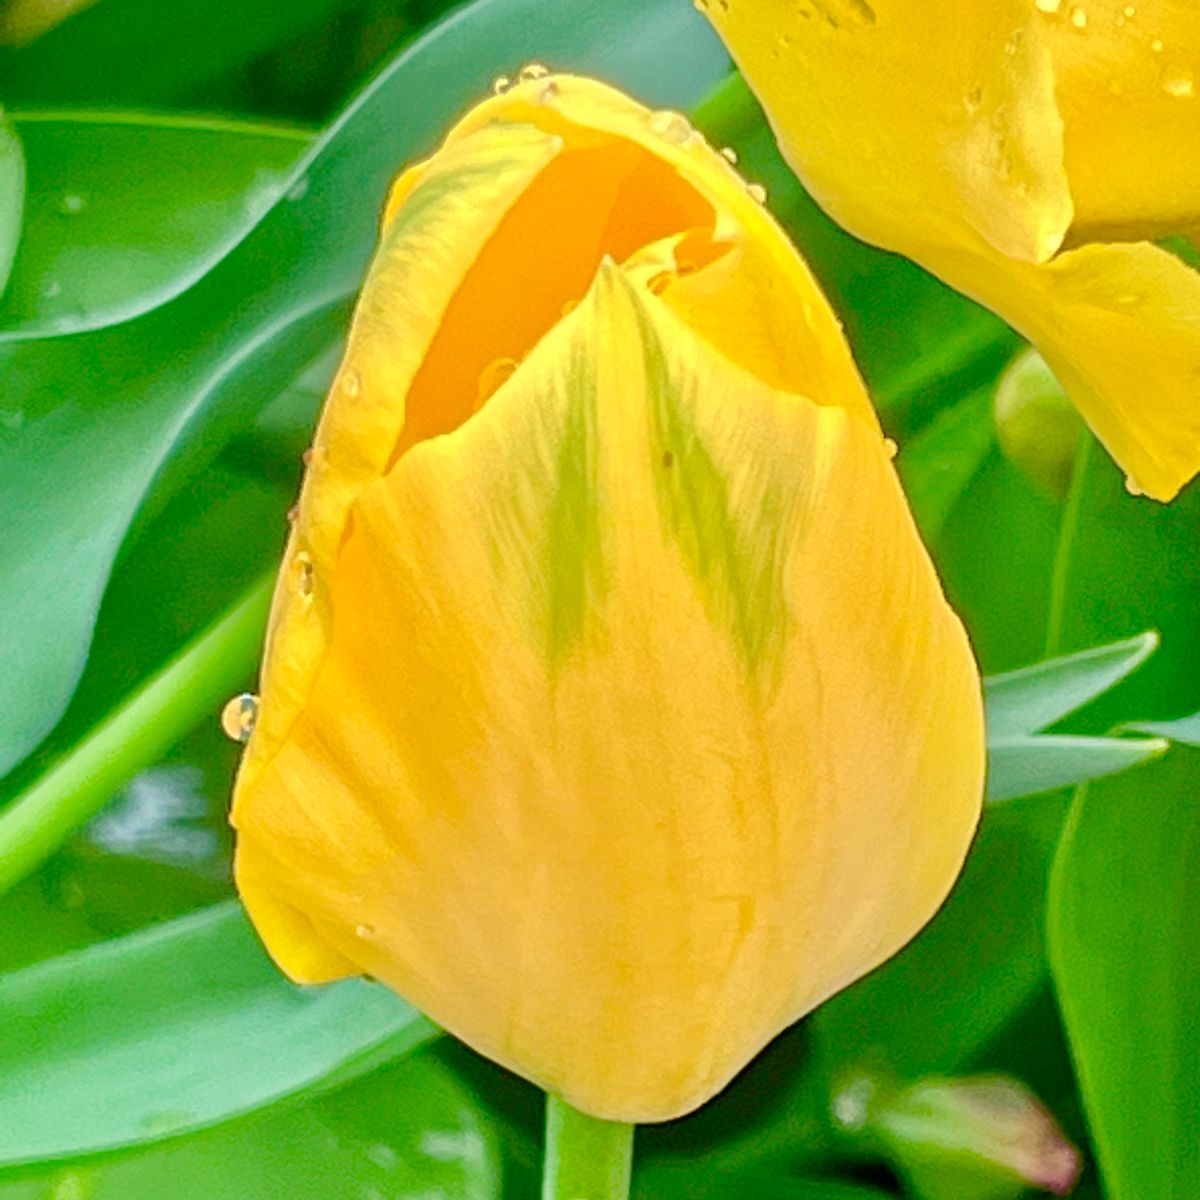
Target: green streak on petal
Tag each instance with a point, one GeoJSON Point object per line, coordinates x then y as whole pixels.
{"type": "Point", "coordinates": [732, 509]}
{"type": "Point", "coordinates": [575, 562]}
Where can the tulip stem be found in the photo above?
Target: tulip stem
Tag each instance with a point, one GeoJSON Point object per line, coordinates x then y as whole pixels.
{"type": "Point", "coordinates": [586, 1158]}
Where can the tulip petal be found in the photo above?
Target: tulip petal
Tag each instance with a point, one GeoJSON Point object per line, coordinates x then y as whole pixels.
{"type": "Point", "coordinates": [947, 109]}
{"type": "Point", "coordinates": [1119, 325]}
{"type": "Point", "coordinates": [1129, 91]}
{"type": "Point", "coordinates": [667, 734]}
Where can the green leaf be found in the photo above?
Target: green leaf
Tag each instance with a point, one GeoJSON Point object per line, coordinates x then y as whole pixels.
{"type": "Point", "coordinates": [12, 197]}
{"type": "Point", "coordinates": [1033, 698]}
{"type": "Point", "coordinates": [124, 211]}
{"type": "Point", "coordinates": [412, 1131]}
{"type": "Point", "coordinates": [683, 1181]}
{"type": "Point", "coordinates": [174, 1029]}
{"type": "Point", "coordinates": [92, 422]}
{"type": "Point", "coordinates": [1024, 766]}
{"type": "Point", "coordinates": [1124, 938]}
{"type": "Point", "coordinates": [1185, 730]}
{"type": "Point", "coordinates": [142, 53]}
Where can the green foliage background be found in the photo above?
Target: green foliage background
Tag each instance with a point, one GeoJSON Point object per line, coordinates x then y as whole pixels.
{"type": "Point", "coordinates": [179, 285]}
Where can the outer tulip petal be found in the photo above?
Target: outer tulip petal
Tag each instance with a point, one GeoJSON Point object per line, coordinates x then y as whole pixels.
{"type": "Point", "coordinates": [667, 735]}
{"type": "Point", "coordinates": [913, 121]}
{"type": "Point", "coordinates": [1120, 327]}
{"type": "Point", "coordinates": [1129, 91]}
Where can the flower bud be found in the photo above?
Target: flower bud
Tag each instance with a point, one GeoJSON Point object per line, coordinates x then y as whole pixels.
{"type": "Point", "coordinates": [611, 712]}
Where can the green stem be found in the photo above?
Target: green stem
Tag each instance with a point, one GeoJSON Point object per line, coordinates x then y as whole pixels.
{"type": "Point", "coordinates": [1067, 530]}
{"type": "Point", "coordinates": [134, 735]}
{"type": "Point", "coordinates": [585, 1158]}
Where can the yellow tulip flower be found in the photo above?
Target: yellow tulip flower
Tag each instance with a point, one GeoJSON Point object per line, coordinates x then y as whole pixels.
{"type": "Point", "coordinates": [612, 712]}
{"type": "Point", "coordinates": [1023, 150]}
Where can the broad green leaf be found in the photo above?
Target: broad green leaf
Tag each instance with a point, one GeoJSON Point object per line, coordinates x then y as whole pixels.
{"type": "Point", "coordinates": [172, 1029]}
{"type": "Point", "coordinates": [410, 1132]}
{"type": "Point", "coordinates": [1033, 698]}
{"type": "Point", "coordinates": [1024, 766]}
{"type": "Point", "coordinates": [12, 197]}
{"type": "Point", "coordinates": [92, 421]}
{"type": "Point", "coordinates": [1124, 938]}
{"type": "Point", "coordinates": [124, 212]}
{"type": "Point", "coordinates": [143, 53]}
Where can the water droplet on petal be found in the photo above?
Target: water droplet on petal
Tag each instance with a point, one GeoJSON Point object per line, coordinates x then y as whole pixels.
{"type": "Point", "coordinates": [1079, 17]}
{"type": "Point", "coordinates": [239, 717]}
{"type": "Point", "coordinates": [973, 99]}
{"type": "Point", "coordinates": [71, 204]}
{"type": "Point", "coordinates": [531, 71]}
{"type": "Point", "coordinates": [1047, 6]}
{"type": "Point", "coordinates": [890, 447]}
{"type": "Point", "coordinates": [757, 192]}
{"type": "Point", "coordinates": [671, 126]}
{"type": "Point", "coordinates": [364, 931]}
{"type": "Point", "coordinates": [352, 383]}
{"type": "Point", "coordinates": [1178, 81]}
{"type": "Point", "coordinates": [307, 457]}
{"type": "Point", "coordinates": [1131, 486]}
{"type": "Point", "coordinates": [498, 372]}
{"type": "Point", "coordinates": [500, 85]}
{"type": "Point", "coordinates": [1157, 45]}
{"type": "Point", "coordinates": [1129, 10]}
{"type": "Point", "coordinates": [305, 574]}
{"type": "Point", "coordinates": [293, 514]}
{"type": "Point", "coordinates": [729, 154]}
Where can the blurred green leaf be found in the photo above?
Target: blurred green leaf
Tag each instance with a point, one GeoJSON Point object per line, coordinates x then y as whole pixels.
{"type": "Point", "coordinates": [143, 53]}
{"type": "Point", "coordinates": [174, 1029]}
{"type": "Point", "coordinates": [150, 401]}
{"type": "Point", "coordinates": [410, 1132]}
{"type": "Point", "coordinates": [1033, 698]}
{"type": "Point", "coordinates": [683, 1181]}
{"type": "Point", "coordinates": [124, 212]}
{"type": "Point", "coordinates": [938, 463]}
{"type": "Point", "coordinates": [12, 197]}
{"type": "Point", "coordinates": [1185, 730]}
{"type": "Point", "coordinates": [1124, 939]}
{"type": "Point", "coordinates": [1024, 766]}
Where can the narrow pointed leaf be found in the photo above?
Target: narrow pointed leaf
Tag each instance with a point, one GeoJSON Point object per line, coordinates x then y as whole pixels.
{"type": "Point", "coordinates": [1033, 698]}
{"type": "Point", "coordinates": [1024, 766]}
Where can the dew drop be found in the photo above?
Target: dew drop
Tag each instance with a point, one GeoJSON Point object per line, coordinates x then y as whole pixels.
{"type": "Point", "coordinates": [1129, 11]}
{"type": "Point", "coordinates": [974, 98]}
{"type": "Point", "coordinates": [239, 717]}
{"type": "Point", "coordinates": [1047, 6]}
{"type": "Point", "coordinates": [352, 383]}
{"type": "Point", "coordinates": [1131, 486]}
{"type": "Point", "coordinates": [293, 514]}
{"type": "Point", "coordinates": [729, 154]}
{"type": "Point", "coordinates": [1178, 81]}
{"type": "Point", "coordinates": [757, 192]}
{"type": "Point", "coordinates": [1079, 17]}
{"type": "Point", "coordinates": [497, 373]}
{"type": "Point", "coordinates": [500, 85]}
{"type": "Point", "coordinates": [547, 92]}
{"type": "Point", "coordinates": [305, 574]}
{"type": "Point", "coordinates": [71, 204]}
{"type": "Point", "coordinates": [307, 457]}
{"type": "Point", "coordinates": [532, 71]}
{"type": "Point", "coordinates": [1157, 45]}
{"type": "Point", "coordinates": [364, 931]}
{"type": "Point", "coordinates": [671, 126]}
{"type": "Point", "coordinates": [890, 448]}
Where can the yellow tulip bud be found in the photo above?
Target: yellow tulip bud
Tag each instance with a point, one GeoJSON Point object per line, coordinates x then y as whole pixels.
{"type": "Point", "coordinates": [612, 712]}
{"type": "Point", "coordinates": [1019, 149]}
